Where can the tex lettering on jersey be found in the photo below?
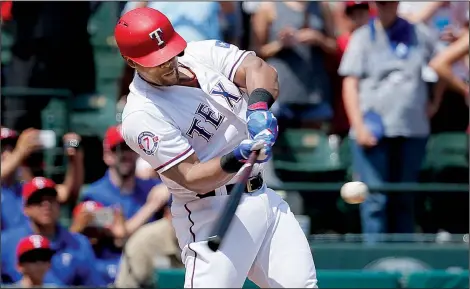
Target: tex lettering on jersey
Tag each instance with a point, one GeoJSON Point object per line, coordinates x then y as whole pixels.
{"type": "Point", "coordinates": [219, 90]}
{"type": "Point", "coordinates": [204, 114]}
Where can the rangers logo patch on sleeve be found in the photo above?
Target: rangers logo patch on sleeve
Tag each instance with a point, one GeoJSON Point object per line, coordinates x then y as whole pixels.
{"type": "Point", "coordinates": [148, 142]}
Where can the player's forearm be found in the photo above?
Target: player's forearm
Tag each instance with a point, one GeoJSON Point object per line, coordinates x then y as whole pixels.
{"type": "Point", "coordinates": [206, 177]}
{"type": "Point", "coordinates": [202, 177]}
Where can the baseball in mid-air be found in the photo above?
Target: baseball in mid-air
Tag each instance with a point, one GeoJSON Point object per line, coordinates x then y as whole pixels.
{"type": "Point", "coordinates": [354, 192]}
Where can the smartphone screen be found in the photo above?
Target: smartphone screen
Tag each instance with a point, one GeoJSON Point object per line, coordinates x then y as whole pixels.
{"type": "Point", "coordinates": [103, 217]}
{"type": "Point", "coordinates": [47, 138]}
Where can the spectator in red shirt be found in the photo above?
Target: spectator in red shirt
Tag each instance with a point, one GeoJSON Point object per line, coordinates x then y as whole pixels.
{"type": "Point", "coordinates": [357, 13]}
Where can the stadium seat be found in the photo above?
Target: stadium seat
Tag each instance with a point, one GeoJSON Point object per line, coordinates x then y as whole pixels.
{"type": "Point", "coordinates": [300, 154]}
{"type": "Point", "coordinates": [95, 116]}
{"type": "Point", "coordinates": [109, 63]}
{"type": "Point", "coordinates": [447, 162]}
{"type": "Point", "coordinates": [7, 42]}
{"type": "Point", "coordinates": [101, 24]}
{"type": "Point", "coordinates": [346, 157]}
{"type": "Point", "coordinates": [447, 150]}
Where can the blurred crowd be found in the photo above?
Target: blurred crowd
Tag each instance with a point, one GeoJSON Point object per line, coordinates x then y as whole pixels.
{"type": "Point", "coordinates": [37, 249]}
{"type": "Point", "coordinates": [385, 75]}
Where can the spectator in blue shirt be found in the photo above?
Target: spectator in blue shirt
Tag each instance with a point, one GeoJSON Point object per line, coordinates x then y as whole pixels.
{"type": "Point", "coordinates": [34, 255]}
{"type": "Point", "coordinates": [15, 150]}
{"type": "Point", "coordinates": [140, 200]}
{"type": "Point", "coordinates": [104, 228]}
{"type": "Point", "coordinates": [73, 254]}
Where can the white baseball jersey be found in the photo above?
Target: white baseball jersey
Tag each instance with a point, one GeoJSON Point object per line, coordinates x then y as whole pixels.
{"type": "Point", "coordinates": [165, 125]}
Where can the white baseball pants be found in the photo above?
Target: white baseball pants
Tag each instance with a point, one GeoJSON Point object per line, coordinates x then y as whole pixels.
{"type": "Point", "coordinates": [264, 243]}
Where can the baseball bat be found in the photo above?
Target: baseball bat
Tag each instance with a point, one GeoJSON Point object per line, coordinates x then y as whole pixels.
{"type": "Point", "coordinates": [223, 222]}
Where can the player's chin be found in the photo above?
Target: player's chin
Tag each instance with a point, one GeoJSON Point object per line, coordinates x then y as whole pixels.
{"type": "Point", "coordinates": [171, 79]}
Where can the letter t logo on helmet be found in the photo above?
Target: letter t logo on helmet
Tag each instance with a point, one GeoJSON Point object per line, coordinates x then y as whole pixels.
{"type": "Point", "coordinates": [147, 37]}
{"type": "Point", "coordinates": [156, 36]}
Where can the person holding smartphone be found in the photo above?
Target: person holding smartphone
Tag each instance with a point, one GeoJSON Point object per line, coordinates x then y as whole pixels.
{"type": "Point", "coordinates": [105, 229]}
{"type": "Point", "coordinates": [141, 200]}
{"type": "Point", "coordinates": [16, 149]}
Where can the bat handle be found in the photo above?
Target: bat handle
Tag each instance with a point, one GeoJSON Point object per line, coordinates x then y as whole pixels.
{"type": "Point", "coordinates": [252, 158]}
{"type": "Point", "coordinates": [214, 243]}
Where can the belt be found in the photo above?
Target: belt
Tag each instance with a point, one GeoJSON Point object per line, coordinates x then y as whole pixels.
{"type": "Point", "coordinates": [254, 183]}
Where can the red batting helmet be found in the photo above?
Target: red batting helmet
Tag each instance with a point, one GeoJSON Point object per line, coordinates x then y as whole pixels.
{"type": "Point", "coordinates": [147, 37]}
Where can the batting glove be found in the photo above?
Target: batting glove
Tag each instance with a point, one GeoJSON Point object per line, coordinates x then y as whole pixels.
{"type": "Point", "coordinates": [260, 120]}
{"type": "Point", "coordinates": [261, 143]}
{"type": "Point", "coordinates": [267, 135]}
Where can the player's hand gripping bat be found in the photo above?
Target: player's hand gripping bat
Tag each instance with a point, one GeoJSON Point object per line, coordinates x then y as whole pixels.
{"type": "Point", "coordinates": [223, 222]}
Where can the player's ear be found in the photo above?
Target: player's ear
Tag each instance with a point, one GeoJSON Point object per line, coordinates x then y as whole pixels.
{"type": "Point", "coordinates": [130, 63]}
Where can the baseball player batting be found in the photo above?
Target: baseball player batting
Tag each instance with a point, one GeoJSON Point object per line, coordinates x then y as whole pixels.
{"type": "Point", "coordinates": [195, 112]}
